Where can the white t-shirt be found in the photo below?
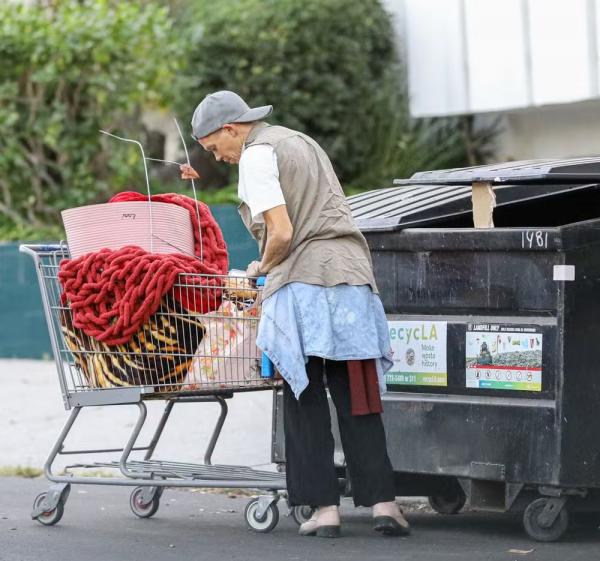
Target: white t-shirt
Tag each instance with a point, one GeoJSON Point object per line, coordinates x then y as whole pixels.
{"type": "Point", "coordinates": [258, 184]}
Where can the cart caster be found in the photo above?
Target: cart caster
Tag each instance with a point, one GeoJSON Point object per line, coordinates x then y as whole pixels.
{"type": "Point", "coordinates": [267, 521]}
{"type": "Point", "coordinates": [542, 522]}
{"type": "Point", "coordinates": [450, 500]}
{"type": "Point", "coordinates": [50, 517]}
{"type": "Point", "coordinates": [302, 514]}
{"type": "Point", "coordinates": [49, 506]}
{"type": "Point", "coordinates": [144, 501]}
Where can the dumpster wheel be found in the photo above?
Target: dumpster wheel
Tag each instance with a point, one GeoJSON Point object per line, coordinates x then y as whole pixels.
{"type": "Point", "coordinates": [449, 500]}
{"type": "Point", "coordinates": [540, 530]}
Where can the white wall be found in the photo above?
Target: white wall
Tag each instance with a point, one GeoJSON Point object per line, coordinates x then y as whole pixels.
{"type": "Point", "coordinates": [473, 56]}
{"type": "Point", "coordinates": [562, 131]}
{"type": "Point", "coordinates": [435, 57]}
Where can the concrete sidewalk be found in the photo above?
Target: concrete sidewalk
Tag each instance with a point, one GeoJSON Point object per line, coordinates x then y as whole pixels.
{"type": "Point", "coordinates": [32, 415]}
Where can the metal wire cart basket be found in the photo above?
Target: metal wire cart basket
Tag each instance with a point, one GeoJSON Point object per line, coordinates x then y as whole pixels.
{"type": "Point", "coordinates": [176, 356]}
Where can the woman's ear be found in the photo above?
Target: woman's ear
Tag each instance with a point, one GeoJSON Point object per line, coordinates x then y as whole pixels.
{"type": "Point", "coordinates": [230, 130]}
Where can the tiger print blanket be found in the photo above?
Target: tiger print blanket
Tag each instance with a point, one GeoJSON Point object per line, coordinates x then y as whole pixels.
{"type": "Point", "coordinates": [158, 355]}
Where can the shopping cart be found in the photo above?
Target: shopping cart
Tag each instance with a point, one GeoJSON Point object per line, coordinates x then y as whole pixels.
{"type": "Point", "coordinates": [178, 356]}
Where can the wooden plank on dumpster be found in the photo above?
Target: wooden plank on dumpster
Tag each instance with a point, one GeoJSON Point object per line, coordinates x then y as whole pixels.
{"type": "Point", "coordinates": [484, 201]}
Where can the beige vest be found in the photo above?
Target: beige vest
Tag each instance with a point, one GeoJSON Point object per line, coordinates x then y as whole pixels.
{"type": "Point", "coordinates": [327, 248]}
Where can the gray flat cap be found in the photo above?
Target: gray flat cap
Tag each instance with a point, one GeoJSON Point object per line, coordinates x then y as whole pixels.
{"type": "Point", "coordinates": [220, 108]}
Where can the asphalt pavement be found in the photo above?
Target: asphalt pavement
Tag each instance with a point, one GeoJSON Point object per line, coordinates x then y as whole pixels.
{"type": "Point", "coordinates": [98, 526]}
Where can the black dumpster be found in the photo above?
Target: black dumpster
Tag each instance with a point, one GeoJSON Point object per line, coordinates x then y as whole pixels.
{"type": "Point", "coordinates": [496, 380]}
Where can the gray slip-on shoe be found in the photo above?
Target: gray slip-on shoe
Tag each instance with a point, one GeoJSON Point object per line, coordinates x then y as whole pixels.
{"type": "Point", "coordinates": [313, 528]}
{"type": "Point", "coordinates": [391, 526]}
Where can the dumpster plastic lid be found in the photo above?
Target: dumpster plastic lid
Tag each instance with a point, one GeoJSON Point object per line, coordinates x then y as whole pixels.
{"type": "Point", "coordinates": [574, 170]}
{"type": "Point", "coordinates": [440, 198]}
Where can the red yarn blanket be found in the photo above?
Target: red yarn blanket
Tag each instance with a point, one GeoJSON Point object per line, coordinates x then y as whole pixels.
{"type": "Point", "coordinates": [112, 293]}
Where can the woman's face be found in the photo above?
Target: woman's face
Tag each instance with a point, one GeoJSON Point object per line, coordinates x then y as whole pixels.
{"type": "Point", "coordinates": [225, 144]}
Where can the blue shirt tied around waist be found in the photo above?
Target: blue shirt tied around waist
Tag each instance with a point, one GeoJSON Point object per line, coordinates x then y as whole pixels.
{"type": "Point", "coordinates": [341, 322]}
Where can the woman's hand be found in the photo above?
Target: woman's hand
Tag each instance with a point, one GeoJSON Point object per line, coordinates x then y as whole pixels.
{"type": "Point", "coordinates": [253, 270]}
{"type": "Point", "coordinates": [188, 172]}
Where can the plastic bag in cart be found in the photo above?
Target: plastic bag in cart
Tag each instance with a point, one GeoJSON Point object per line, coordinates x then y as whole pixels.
{"type": "Point", "coordinates": [227, 357]}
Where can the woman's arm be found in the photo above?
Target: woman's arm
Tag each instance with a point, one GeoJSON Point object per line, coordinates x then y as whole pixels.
{"type": "Point", "coordinates": [279, 239]}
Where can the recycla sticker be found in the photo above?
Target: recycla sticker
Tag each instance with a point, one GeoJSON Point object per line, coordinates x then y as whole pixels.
{"type": "Point", "coordinates": [419, 353]}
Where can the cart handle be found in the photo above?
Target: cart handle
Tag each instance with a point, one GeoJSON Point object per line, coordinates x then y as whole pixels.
{"type": "Point", "coordinates": [32, 249]}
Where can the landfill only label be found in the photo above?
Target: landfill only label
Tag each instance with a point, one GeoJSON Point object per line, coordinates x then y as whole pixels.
{"type": "Point", "coordinates": [504, 358]}
{"type": "Point", "coordinates": [419, 353]}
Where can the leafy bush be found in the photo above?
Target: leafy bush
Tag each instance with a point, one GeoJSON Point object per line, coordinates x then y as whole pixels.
{"type": "Point", "coordinates": [69, 69]}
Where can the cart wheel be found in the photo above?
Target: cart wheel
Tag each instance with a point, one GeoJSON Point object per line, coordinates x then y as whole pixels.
{"type": "Point", "coordinates": [449, 501]}
{"type": "Point", "coordinates": [268, 521]}
{"type": "Point", "coordinates": [302, 514]}
{"type": "Point", "coordinates": [52, 517]}
{"type": "Point", "coordinates": [141, 509]}
{"type": "Point", "coordinates": [535, 530]}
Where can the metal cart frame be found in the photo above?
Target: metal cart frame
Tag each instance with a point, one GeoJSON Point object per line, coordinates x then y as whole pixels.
{"type": "Point", "coordinates": [148, 476]}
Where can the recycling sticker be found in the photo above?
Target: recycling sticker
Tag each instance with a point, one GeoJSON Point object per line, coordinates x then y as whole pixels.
{"type": "Point", "coordinates": [419, 353]}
